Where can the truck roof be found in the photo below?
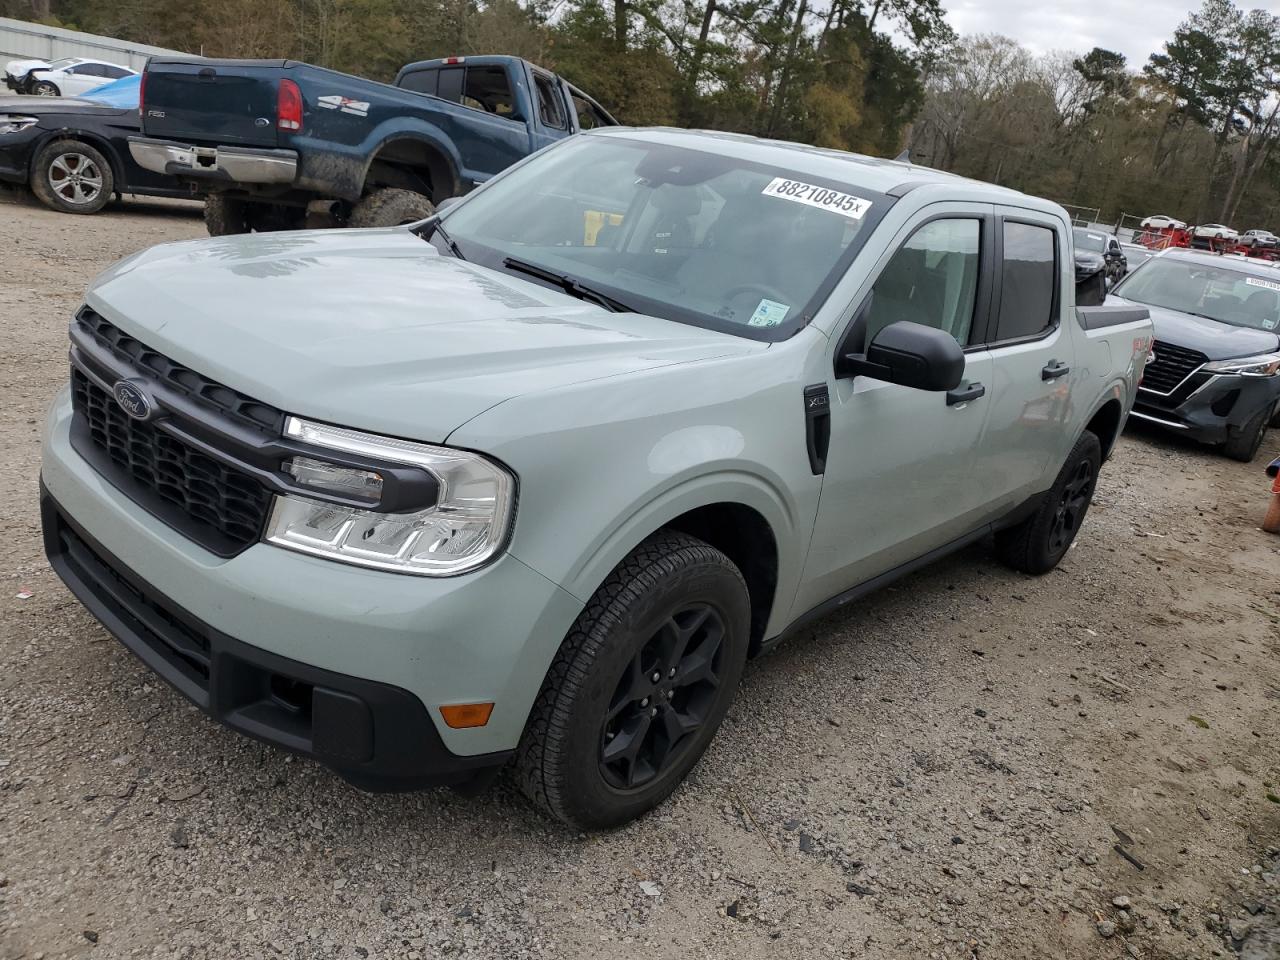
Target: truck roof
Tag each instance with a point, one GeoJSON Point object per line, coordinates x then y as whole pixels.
{"type": "Point", "coordinates": [894, 177]}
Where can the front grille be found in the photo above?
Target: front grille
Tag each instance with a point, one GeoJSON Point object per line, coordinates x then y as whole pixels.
{"type": "Point", "coordinates": [1172, 366]}
{"type": "Point", "coordinates": [161, 467]}
{"type": "Point", "coordinates": [221, 399]}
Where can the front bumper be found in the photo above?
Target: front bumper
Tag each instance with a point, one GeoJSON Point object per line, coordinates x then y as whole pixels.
{"type": "Point", "coordinates": [363, 634]}
{"type": "Point", "coordinates": [377, 736]}
{"type": "Point", "coordinates": [226, 164]}
{"type": "Point", "coordinates": [16, 150]}
{"type": "Point", "coordinates": [1209, 408]}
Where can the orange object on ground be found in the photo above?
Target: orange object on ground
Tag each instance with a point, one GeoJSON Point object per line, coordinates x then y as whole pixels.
{"type": "Point", "coordinates": [1271, 522]}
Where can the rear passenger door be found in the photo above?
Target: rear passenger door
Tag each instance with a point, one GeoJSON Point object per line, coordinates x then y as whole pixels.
{"type": "Point", "coordinates": [1033, 360]}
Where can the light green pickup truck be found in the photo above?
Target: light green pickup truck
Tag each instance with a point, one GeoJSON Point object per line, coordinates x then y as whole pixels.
{"type": "Point", "coordinates": [527, 483]}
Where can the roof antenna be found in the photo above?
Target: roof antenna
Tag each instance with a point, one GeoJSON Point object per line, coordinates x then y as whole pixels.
{"type": "Point", "coordinates": [904, 156]}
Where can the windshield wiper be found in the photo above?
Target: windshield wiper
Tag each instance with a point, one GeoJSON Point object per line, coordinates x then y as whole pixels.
{"type": "Point", "coordinates": [570, 285]}
{"type": "Point", "coordinates": [436, 229]}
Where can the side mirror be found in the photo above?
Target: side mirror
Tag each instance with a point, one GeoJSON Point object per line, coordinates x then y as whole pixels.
{"type": "Point", "coordinates": [446, 203]}
{"type": "Point", "coordinates": [910, 354]}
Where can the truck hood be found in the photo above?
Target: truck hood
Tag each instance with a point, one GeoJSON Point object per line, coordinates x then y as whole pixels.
{"type": "Point", "coordinates": [1216, 340]}
{"type": "Point", "coordinates": [375, 329]}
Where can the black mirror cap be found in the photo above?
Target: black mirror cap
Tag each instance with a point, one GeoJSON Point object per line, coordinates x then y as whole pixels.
{"type": "Point", "coordinates": [911, 354]}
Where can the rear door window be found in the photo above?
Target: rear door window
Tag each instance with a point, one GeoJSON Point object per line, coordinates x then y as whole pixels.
{"type": "Point", "coordinates": [1029, 281]}
{"type": "Point", "coordinates": [488, 89]}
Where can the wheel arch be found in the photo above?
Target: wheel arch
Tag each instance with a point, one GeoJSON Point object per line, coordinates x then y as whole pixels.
{"type": "Point", "coordinates": [1105, 423]}
{"type": "Point", "coordinates": [413, 161]}
{"type": "Point", "coordinates": [740, 515]}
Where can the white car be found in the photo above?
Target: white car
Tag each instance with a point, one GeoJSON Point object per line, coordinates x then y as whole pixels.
{"type": "Point", "coordinates": [62, 78]}
{"type": "Point", "coordinates": [1162, 222]}
{"type": "Point", "coordinates": [1215, 231]}
{"type": "Point", "coordinates": [1260, 239]}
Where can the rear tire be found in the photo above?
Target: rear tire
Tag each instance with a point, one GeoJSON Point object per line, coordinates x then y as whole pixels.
{"type": "Point", "coordinates": [226, 216]}
{"type": "Point", "coordinates": [390, 207]}
{"type": "Point", "coordinates": [1038, 544]}
{"type": "Point", "coordinates": [72, 177]}
{"type": "Point", "coordinates": [1244, 446]}
{"type": "Point", "coordinates": [605, 741]}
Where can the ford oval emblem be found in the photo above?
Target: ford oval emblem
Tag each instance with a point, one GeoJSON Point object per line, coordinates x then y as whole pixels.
{"type": "Point", "coordinates": [133, 400]}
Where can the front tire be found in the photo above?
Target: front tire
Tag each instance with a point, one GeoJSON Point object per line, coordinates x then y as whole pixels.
{"type": "Point", "coordinates": [45, 88]}
{"type": "Point", "coordinates": [1038, 544]}
{"type": "Point", "coordinates": [72, 177]}
{"type": "Point", "coordinates": [1245, 445]}
{"type": "Point", "coordinates": [639, 686]}
{"type": "Point", "coordinates": [390, 207]}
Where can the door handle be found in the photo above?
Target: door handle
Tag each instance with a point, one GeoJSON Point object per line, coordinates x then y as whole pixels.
{"type": "Point", "coordinates": [1053, 370]}
{"type": "Point", "coordinates": [965, 393]}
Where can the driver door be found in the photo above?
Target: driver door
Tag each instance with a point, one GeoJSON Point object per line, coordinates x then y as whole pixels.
{"type": "Point", "coordinates": [898, 478]}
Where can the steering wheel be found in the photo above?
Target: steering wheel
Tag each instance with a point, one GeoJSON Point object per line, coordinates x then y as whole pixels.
{"type": "Point", "coordinates": [769, 293]}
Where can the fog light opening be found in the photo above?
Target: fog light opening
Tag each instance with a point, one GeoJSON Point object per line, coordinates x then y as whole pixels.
{"type": "Point", "coordinates": [291, 694]}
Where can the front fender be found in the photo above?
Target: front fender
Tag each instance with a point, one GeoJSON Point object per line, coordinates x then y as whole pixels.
{"type": "Point", "coordinates": [605, 464]}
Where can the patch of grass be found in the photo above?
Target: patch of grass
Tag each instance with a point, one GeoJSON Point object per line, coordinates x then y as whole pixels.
{"type": "Point", "coordinates": [1200, 722]}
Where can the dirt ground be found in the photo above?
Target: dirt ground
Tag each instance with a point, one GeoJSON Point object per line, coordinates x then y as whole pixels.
{"type": "Point", "coordinates": [947, 770]}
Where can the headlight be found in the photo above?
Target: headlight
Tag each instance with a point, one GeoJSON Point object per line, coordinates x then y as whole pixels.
{"type": "Point", "coordinates": [1263, 365]}
{"type": "Point", "coordinates": [465, 527]}
{"type": "Point", "coordinates": [12, 123]}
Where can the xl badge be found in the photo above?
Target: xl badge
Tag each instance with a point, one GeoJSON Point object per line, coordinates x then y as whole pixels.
{"type": "Point", "coordinates": [133, 400]}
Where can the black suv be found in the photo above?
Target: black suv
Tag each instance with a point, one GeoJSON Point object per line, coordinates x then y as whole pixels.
{"type": "Point", "coordinates": [1215, 375]}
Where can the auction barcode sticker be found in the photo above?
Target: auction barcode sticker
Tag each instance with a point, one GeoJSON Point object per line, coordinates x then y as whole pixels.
{"type": "Point", "coordinates": [1258, 282]}
{"type": "Point", "coordinates": [824, 198]}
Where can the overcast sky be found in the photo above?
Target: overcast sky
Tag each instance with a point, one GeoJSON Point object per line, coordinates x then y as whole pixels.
{"type": "Point", "coordinates": [1136, 28]}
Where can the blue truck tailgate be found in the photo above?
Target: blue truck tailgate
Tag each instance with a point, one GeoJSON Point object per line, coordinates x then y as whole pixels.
{"type": "Point", "coordinates": [225, 101]}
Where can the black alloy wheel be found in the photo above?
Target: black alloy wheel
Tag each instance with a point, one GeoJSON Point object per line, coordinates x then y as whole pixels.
{"type": "Point", "coordinates": [1072, 505]}
{"type": "Point", "coordinates": [662, 698]}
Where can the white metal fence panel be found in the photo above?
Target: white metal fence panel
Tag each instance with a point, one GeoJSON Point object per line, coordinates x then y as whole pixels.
{"type": "Point", "coordinates": [20, 40]}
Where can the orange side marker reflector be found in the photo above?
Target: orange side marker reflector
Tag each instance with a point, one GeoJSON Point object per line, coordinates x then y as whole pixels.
{"type": "Point", "coordinates": [462, 715]}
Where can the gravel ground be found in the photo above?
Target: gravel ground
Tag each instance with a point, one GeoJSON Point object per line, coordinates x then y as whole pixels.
{"type": "Point", "coordinates": [972, 763]}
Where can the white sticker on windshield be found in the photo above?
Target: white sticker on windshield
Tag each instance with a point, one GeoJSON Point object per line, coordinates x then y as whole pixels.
{"type": "Point", "coordinates": [1269, 323]}
{"type": "Point", "coordinates": [845, 204]}
{"type": "Point", "coordinates": [1258, 282]}
{"type": "Point", "coordinates": [769, 313]}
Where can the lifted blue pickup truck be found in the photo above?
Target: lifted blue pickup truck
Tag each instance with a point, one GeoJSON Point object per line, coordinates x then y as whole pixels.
{"type": "Point", "coordinates": [279, 144]}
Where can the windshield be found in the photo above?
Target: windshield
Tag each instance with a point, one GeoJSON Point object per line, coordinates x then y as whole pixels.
{"type": "Point", "coordinates": [1207, 290]}
{"type": "Point", "coordinates": [1096, 242]}
{"type": "Point", "coordinates": [59, 64]}
{"type": "Point", "coordinates": [691, 236]}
